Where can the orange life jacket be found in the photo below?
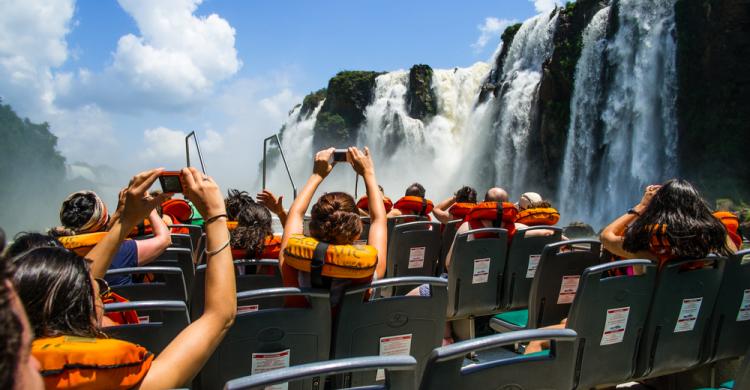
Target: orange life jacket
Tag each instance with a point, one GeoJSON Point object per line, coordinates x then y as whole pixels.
{"type": "Point", "coordinates": [81, 244]}
{"type": "Point", "coordinates": [414, 205]}
{"type": "Point", "coordinates": [271, 250]}
{"type": "Point", "coordinates": [178, 210]}
{"type": "Point", "coordinates": [69, 362]}
{"type": "Point", "coordinates": [335, 261]}
{"type": "Point", "coordinates": [231, 225]}
{"type": "Point", "coordinates": [538, 216]}
{"type": "Point", "coordinates": [502, 215]}
{"type": "Point", "coordinates": [461, 209]}
{"type": "Point", "coordinates": [732, 224]}
{"type": "Point", "coordinates": [120, 317]}
{"type": "Point", "coordinates": [363, 204]}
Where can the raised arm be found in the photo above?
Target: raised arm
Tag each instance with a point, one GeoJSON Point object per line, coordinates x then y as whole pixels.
{"type": "Point", "coordinates": [378, 236]}
{"type": "Point", "coordinates": [441, 210]}
{"type": "Point", "coordinates": [189, 351]}
{"type": "Point", "coordinates": [137, 205]}
{"type": "Point", "coordinates": [295, 217]}
{"type": "Point", "coordinates": [612, 236]}
{"type": "Point", "coordinates": [150, 248]}
{"type": "Point", "coordinates": [274, 204]}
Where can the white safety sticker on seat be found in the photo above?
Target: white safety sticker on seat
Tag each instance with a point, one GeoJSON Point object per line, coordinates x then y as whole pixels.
{"type": "Point", "coordinates": [568, 289]}
{"type": "Point", "coordinates": [481, 271]}
{"type": "Point", "coordinates": [246, 309]}
{"type": "Point", "coordinates": [744, 313]}
{"type": "Point", "coordinates": [391, 346]}
{"type": "Point", "coordinates": [263, 362]}
{"type": "Point", "coordinates": [745, 259]}
{"type": "Point", "coordinates": [416, 257]}
{"type": "Point", "coordinates": [688, 314]}
{"type": "Point", "coordinates": [533, 263]}
{"type": "Point", "coordinates": [615, 325]}
{"type": "Point", "coordinates": [144, 319]}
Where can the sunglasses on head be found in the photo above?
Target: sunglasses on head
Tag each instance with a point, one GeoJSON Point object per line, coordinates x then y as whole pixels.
{"type": "Point", "coordinates": [103, 287]}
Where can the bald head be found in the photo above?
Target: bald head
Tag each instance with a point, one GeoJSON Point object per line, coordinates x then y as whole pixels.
{"type": "Point", "coordinates": [496, 194]}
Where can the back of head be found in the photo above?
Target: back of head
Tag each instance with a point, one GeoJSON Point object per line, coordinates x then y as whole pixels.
{"type": "Point", "coordinates": [692, 230]}
{"type": "Point", "coordinates": [579, 229]}
{"type": "Point", "coordinates": [528, 200]}
{"type": "Point", "coordinates": [83, 212]}
{"type": "Point", "coordinates": [253, 226]}
{"type": "Point", "coordinates": [496, 194]}
{"type": "Point", "coordinates": [466, 194]}
{"type": "Point", "coordinates": [55, 288]}
{"type": "Point", "coordinates": [334, 219]}
{"type": "Point", "coordinates": [235, 202]}
{"type": "Point", "coordinates": [415, 189]}
{"type": "Point", "coordinates": [27, 241]}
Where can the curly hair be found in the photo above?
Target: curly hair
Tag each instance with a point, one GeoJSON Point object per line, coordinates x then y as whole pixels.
{"type": "Point", "coordinates": [77, 210]}
{"type": "Point", "coordinates": [466, 194]}
{"type": "Point", "coordinates": [237, 201]}
{"type": "Point", "coordinates": [692, 231]}
{"type": "Point", "coordinates": [334, 219]}
{"type": "Point", "coordinates": [10, 325]}
{"type": "Point", "coordinates": [253, 226]}
{"type": "Point", "coordinates": [56, 290]}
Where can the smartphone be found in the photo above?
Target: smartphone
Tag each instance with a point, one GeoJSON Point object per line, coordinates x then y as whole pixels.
{"type": "Point", "coordinates": [340, 155]}
{"type": "Point", "coordinates": [171, 182]}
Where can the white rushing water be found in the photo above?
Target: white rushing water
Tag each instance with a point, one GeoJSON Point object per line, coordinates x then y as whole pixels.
{"type": "Point", "coordinates": [522, 72]}
{"type": "Point", "coordinates": [639, 121]}
{"type": "Point", "coordinates": [576, 181]}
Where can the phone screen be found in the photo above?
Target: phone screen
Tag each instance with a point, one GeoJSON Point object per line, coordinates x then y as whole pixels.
{"type": "Point", "coordinates": [170, 183]}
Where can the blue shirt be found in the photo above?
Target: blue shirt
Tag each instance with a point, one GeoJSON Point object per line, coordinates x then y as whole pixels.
{"type": "Point", "coordinates": [127, 256]}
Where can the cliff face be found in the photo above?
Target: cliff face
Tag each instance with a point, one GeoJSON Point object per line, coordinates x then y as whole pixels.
{"type": "Point", "coordinates": [420, 98]}
{"type": "Point", "coordinates": [490, 85]}
{"type": "Point", "coordinates": [549, 131]}
{"type": "Point", "coordinates": [713, 53]}
{"type": "Point", "coordinates": [347, 96]}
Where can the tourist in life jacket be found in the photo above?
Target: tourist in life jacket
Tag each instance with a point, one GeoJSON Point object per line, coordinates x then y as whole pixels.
{"type": "Point", "coordinates": [457, 206]}
{"type": "Point", "coordinates": [413, 202]}
{"type": "Point", "coordinates": [363, 203]}
{"type": "Point", "coordinates": [535, 211]}
{"type": "Point", "coordinates": [672, 221]}
{"type": "Point", "coordinates": [335, 222]}
{"type": "Point", "coordinates": [19, 370]}
{"type": "Point", "coordinates": [61, 295]}
{"type": "Point", "coordinates": [253, 237]}
{"type": "Point", "coordinates": [84, 212]}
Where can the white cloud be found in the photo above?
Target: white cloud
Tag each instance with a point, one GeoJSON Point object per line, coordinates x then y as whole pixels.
{"type": "Point", "coordinates": [167, 145]}
{"type": "Point", "coordinates": [490, 30]}
{"type": "Point", "coordinates": [176, 61]}
{"type": "Point", "coordinates": [32, 43]}
{"type": "Point", "coordinates": [544, 6]}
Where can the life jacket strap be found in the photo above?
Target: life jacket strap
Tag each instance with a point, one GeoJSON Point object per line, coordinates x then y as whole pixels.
{"type": "Point", "coordinates": [316, 266]}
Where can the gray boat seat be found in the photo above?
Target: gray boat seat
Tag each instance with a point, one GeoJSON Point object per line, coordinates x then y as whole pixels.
{"type": "Point", "coordinates": [554, 286]}
{"type": "Point", "coordinates": [168, 285]}
{"type": "Point", "coordinates": [268, 337]}
{"type": "Point", "coordinates": [413, 250]}
{"type": "Point", "coordinates": [363, 237]}
{"type": "Point", "coordinates": [178, 257]}
{"type": "Point", "coordinates": [447, 369]}
{"type": "Point", "coordinates": [160, 323]}
{"type": "Point", "coordinates": [449, 233]}
{"type": "Point", "coordinates": [367, 327]}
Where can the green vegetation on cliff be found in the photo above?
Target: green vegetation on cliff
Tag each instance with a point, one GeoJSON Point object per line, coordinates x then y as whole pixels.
{"type": "Point", "coordinates": [311, 102]}
{"type": "Point", "coordinates": [420, 98]}
{"type": "Point", "coordinates": [347, 96]}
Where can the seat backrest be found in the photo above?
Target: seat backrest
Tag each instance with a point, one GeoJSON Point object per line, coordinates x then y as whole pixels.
{"type": "Point", "coordinates": [609, 313]}
{"type": "Point", "coordinates": [178, 257]}
{"type": "Point", "coordinates": [397, 220]}
{"type": "Point", "coordinates": [413, 250]}
{"type": "Point", "coordinates": [678, 319]}
{"type": "Point", "coordinates": [160, 323]}
{"type": "Point", "coordinates": [446, 369]}
{"type": "Point", "coordinates": [476, 273]}
{"type": "Point", "coordinates": [266, 276]}
{"type": "Point", "coordinates": [399, 372]}
{"type": "Point", "coordinates": [446, 240]}
{"type": "Point", "coordinates": [272, 338]}
{"type": "Point", "coordinates": [556, 280]}
{"type": "Point", "coordinates": [393, 325]}
{"type": "Point", "coordinates": [363, 237]}
{"type": "Point", "coordinates": [730, 323]}
{"type": "Point", "coordinates": [168, 285]}
{"type": "Point", "coordinates": [523, 257]}
{"type": "Point", "coordinates": [194, 231]}
{"type": "Point", "coordinates": [183, 241]}
{"type": "Point", "coordinates": [742, 379]}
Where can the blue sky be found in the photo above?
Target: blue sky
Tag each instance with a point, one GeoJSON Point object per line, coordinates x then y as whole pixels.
{"type": "Point", "coordinates": [121, 82]}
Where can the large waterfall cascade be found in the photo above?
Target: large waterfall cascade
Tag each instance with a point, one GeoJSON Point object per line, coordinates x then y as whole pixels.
{"type": "Point", "coordinates": [621, 135]}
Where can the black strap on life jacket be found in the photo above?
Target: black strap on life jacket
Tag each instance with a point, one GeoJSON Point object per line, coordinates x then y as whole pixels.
{"type": "Point", "coordinates": [499, 221]}
{"type": "Point", "coordinates": [316, 266]}
{"type": "Point", "coordinates": [424, 207]}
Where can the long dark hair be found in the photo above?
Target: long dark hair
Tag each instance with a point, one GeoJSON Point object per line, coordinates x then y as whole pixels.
{"type": "Point", "coordinates": [334, 219]}
{"type": "Point", "coordinates": [55, 288]}
{"type": "Point", "coordinates": [253, 226]}
{"type": "Point", "coordinates": [29, 240]}
{"type": "Point", "coordinates": [466, 194]}
{"type": "Point", "coordinates": [691, 231]}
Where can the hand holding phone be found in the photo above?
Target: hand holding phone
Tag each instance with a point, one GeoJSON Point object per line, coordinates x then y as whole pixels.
{"type": "Point", "coordinates": [171, 182]}
{"type": "Point", "coordinates": [340, 155]}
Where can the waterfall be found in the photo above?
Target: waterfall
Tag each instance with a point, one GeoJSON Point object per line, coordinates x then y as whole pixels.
{"type": "Point", "coordinates": [575, 192]}
{"type": "Point", "coordinates": [521, 74]}
{"type": "Point", "coordinates": [639, 136]}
